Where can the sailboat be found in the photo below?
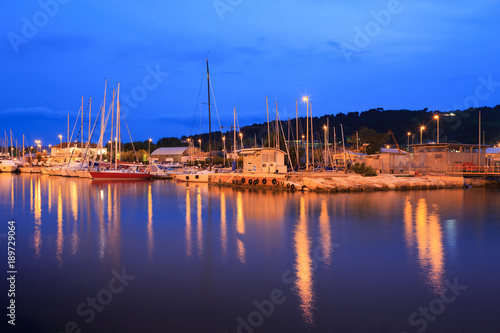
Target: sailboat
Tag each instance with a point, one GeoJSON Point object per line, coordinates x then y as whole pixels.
{"type": "Point", "coordinates": [121, 171]}
{"type": "Point", "coordinates": [202, 176]}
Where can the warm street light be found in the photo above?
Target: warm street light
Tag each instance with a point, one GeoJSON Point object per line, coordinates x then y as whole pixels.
{"type": "Point", "coordinates": [199, 140]}
{"type": "Point", "coordinates": [60, 139]}
{"type": "Point", "coordinates": [422, 128]}
{"type": "Point", "coordinates": [437, 119]}
{"type": "Point", "coordinates": [149, 147]}
{"type": "Point", "coordinates": [409, 134]}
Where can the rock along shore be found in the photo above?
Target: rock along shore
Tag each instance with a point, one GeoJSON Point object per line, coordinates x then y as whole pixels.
{"type": "Point", "coordinates": [340, 182]}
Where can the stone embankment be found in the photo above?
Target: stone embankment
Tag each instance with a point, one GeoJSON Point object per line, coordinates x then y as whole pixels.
{"type": "Point", "coordinates": [340, 182]}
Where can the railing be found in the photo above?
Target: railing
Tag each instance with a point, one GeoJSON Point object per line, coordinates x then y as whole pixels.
{"type": "Point", "coordinates": [474, 170]}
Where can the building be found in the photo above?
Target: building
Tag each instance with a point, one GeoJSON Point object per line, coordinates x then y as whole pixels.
{"type": "Point", "coordinates": [389, 159]}
{"type": "Point", "coordinates": [64, 151]}
{"type": "Point", "coordinates": [175, 154]}
{"type": "Point", "coordinates": [437, 157]}
{"type": "Point", "coordinates": [493, 156]}
{"type": "Point", "coordinates": [268, 160]}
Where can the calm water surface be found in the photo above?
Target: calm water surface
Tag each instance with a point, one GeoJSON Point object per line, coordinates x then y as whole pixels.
{"type": "Point", "coordinates": [193, 258]}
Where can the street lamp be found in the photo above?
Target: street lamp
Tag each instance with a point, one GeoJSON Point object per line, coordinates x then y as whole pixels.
{"type": "Point", "coordinates": [224, 142]}
{"type": "Point", "coordinates": [60, 139]}
{"type": "Point", "coordinates": [199, 140]}
{"type": "Point", "coordinates": [409, 134]}
{"type": "Point", "coordinates": [306, 99]}
{"type": "Point", "coordinates": [437, 119]}
{"type": "Point", "coordinates": [422, 128]}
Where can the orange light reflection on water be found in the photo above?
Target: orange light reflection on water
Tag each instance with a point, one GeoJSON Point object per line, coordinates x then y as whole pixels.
{"type": "Point", "coordinates": [303, 264]}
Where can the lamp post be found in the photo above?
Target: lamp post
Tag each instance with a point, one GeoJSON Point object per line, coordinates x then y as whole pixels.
{"type": "Point", "coordinates": [409, 134]}
{"type": "Point", "coordinates": [224, 142]}
{"type": "Point", "coordinates": [437, 121]}
{"type": "Point", "coordinates": [60, 139]}
{"type": "Point", "coordinates": [422, 128]}
{"type": "Point", "coordinates": [306, 99]}
{"type": "Point", "coordinates": [149, 150]}
{"type": "Point", "coordinates": [199, 141]}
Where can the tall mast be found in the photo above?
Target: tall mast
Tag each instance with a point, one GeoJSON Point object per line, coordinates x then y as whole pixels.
{"type": "Point", "coordinates": [277, 130]}
{"type": "Point", "coordinates": [312, 134]}
{"type": "Point", "coordinates": [235, 145]}
{"type": "Point", "coordinates": [335, 145]}
{"type": "Point", "coordinates": [81, 128]}
{"type": "Point", "coordinates": [268, 131]}
{"type": "Point", "coordinates": [102, 121]}
{"type": "Point", "coordinates": [112, 125]}
{"type": "Point", "coordinates": [209, 124]}
{"type": "Point", "coordinates": [117, 148]}
{"type": "Point", "coordinates": [479, 159]}
{"type": "Point", "coordinates": [12, 152]}
{"type": "Point", "coordinates": [307, 134]}
{"type": "Point", "coordinates": [297, 132]}
{"type": "Point", "coordinates": [90, 113]}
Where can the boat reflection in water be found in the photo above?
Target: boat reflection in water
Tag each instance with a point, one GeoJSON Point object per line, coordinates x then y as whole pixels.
{"type": "Point", "coordinates": [216, 250]}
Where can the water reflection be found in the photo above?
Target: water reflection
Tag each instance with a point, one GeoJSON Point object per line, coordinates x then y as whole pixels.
{"type": "Point", "coordinates": [74, 211]}
{"type": "Point", "coordinates": [223, 224]}
{"type": "Point", "coordinates": [240, 227]}
{"type": "Point", "coordinates": [199, 225]}
{"type": "Point", "coordinates": [150, 225]}
{"type": "Point", "coordinates": [189, 239]}
{"type": "Point", "coordinates": [325, 234]}
{"type": "Point", "coordinates": [37, 235]}
{"type": "Point", "coordinates": [303, 264]}
{"type": "Point", "coordinates": [426, 235]}
{"type": "Point", "coordinates": [60, 236]}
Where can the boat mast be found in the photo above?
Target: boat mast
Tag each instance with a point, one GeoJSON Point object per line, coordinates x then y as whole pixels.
{"type": "Point", "coordinates": [102, 121]}
{"type": "Point", "coordinates": [81, 129]}
{"type": "Point", "coordinates": [117, 143]}
{"type": "Point", "coordinates": [268, 131]}
{"type": "Point", "coordinates": [277, 129]}
{"type": "Point", "coordinates": [209, 124]}
{"type": "Point", "coordinates": [297, 133]}
{"type": "Point", "coordinates": [235, 145]}
{"type": "Point", "coordinates": [312, 135]}
{"type": "Point", "coordinates": [90, 114]}
{"type": "Point", "coordinates": [11, 146]}
{"type": "Point", "coordinates": [112, 125]}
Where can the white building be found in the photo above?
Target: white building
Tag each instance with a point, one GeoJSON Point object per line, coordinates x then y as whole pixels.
{"type": "Point", "coordinates": [63, 152]}
{"type": "Point", "coordinates": [175, 154]}
{"type": "Point", "coordinates": [268, 160]}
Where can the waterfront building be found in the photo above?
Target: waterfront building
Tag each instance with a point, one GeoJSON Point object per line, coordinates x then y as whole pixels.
{"type": "Point", "coordinates": [176, 154]}
{"type": "Point", "coordinates": [268, 160]}
{"type": "Point", "coordinates": [437, 157]}
{"type": "Point", "coordinates": [64, 151]}
{"type": "Point", "coordinates": [388, 159]}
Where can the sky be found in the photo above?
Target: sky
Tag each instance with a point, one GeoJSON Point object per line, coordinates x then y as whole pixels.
{"type": "Point", "coordinates": [345, 55]}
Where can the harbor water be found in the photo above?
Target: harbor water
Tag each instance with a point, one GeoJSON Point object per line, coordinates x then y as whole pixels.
{"type": "Point", "coordinates": [161, 256]}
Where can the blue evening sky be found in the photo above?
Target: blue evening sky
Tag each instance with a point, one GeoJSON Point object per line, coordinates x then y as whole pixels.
{"type": "Point", "coordinates": [346, 55]}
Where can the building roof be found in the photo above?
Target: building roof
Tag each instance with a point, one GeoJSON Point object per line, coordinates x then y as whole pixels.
{"type": "Point", "coordinates": [170, 151]}
{"type": "Point", "coordinates": [493, 150]}
{"type": "Point", "coordinates": [248, 151]}
{"type": "Point", "coordinates": [74, 145]}
{"type": "Point", "coordinates": [392, 151]}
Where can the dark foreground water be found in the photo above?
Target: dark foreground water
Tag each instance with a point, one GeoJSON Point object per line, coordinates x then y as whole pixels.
{"type": "Point", "coordinates": [169, 257]}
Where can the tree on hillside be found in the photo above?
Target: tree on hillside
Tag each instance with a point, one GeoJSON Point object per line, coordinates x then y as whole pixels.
{"type": "Point", "coordinates": [372, 138]}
